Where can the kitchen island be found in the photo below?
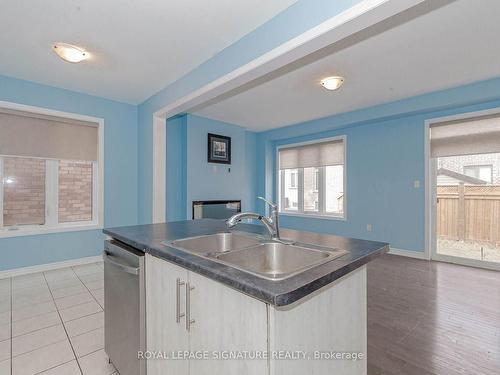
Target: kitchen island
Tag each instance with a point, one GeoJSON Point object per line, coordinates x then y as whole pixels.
{"type": "Point", "coordinates": [206, 315]}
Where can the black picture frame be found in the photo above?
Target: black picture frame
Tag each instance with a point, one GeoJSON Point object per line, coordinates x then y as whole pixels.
{"type": "Point", "coordinates": [219, 149]}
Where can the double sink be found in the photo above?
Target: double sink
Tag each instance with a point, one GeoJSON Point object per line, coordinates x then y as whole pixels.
{"type": "Point", "coordinates": [269, 259]}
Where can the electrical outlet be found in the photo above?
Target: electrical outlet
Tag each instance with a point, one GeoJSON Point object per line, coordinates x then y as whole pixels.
{"type": "Point", "coordinates": [369, 227]}
{"type": "Point", "coordinates": [416, 184]}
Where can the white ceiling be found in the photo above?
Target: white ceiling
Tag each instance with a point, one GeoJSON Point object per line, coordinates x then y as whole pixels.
{"type": "Point", "coordinates": [138, 46]}
{"type": "Point", "coordinates": [450, 46]}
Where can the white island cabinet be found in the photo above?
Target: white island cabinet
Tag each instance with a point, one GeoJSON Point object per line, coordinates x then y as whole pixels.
{"type": "Point", "coordinates": [194, 320]}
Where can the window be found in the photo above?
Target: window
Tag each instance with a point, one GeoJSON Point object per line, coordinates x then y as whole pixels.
{"type": "Point", "coordinates": [316, 179]}
{"type": "Point", "coordinates": [311, 192]}
{"type": "Point", "coordinates": [24, 191]}
{"type": "Point", "coordinates": [290, 198]}
{"type": "Point", "coordinates": [293, 178]}
{"type": "Point", "coordinates": [75, 191]}
{"type": "Point", "coordinates": [49, 180]}
{"type": "Point", "coordinates": [311, 178]}
{"type": "Point", "coordinates": [483, 172]}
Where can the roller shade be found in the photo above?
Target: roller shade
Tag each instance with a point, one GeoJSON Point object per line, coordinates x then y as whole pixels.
{"type": "Point", "coordinates": [312, 155]}
{"type": "Point", "coordinates": [480, 135]}
{"type": "Point", "coordinates": [33, 135]}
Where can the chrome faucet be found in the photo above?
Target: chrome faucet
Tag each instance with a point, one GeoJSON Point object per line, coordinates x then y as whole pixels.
{"type": "Point", "coordinates": [271, 223]}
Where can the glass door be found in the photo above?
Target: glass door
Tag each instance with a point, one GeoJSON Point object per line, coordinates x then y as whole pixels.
{"type": "Point", "coordinates": [468, 207]}
{"type": "Point", "coordinates": [465, 192]}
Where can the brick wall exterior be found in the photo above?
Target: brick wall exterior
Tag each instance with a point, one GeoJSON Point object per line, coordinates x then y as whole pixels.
{"type": "Point", "coordinates": [457, 163]}
{"type": "Point", "coordinates": [75, 191]}
{"type": "Point", "coordinates": [24, 197]}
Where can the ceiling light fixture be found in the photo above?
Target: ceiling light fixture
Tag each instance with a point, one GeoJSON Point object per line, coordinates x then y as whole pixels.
{"type": "Point", "coordinates": [332, 83]}
{"type": "Point", "coordinates": [70, 53]}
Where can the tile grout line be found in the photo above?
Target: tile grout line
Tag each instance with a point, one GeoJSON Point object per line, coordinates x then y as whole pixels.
{"type": "Point", "coordinates": [34, 316]}
{"type": "Point", "coordinates": [54, 325]}
{"type": "Point", "coordinates": [60, 322]}
{"type": "Point", "coordinates": [69, 307]}
{"type": "Point", "coordinates": [38, 329]}
{"type": "Point", "coordinates": [102, 307]}
{"type": "Point", "coordinates": [84, 333]}
{"type": "Point", "coordinates": [83, 316]}
{"type": "Point", "coordinates": [64, 327]}
{"type": "Point", "coordinates": [41, 372]}
{"type": "Point", "coordinates": [41, 347]}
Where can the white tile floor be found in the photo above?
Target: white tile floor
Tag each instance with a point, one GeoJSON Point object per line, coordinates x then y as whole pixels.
{"type": "Point", "coordinates": [52, 323]}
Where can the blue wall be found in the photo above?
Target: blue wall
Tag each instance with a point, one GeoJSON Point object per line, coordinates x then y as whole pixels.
{"type": "Point", "coordinates": [120, 173]}
{"type": "Point", "coordinates": [297, 19]}
{"type": "Point", "coordinates": [385, 155]}
{"type": "Point", "coordinates": [190, 177]}
{"type": "Point", "coordinates": [218, 181]}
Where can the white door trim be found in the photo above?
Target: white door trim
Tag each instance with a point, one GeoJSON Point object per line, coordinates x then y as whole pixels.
{"type": "Point", "coordinates": [159, 169]}
{"type": "Point", "coordinates": [430, 184]}
{"type": "Point", "coordinates": [428, 190]}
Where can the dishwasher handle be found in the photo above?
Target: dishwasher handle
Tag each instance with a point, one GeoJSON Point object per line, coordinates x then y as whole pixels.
{"type": "Point", "coordinates": [108, 258]}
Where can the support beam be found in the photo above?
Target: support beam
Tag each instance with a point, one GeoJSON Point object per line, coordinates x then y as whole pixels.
{"type": "Point", "coordinates": [159, 169]}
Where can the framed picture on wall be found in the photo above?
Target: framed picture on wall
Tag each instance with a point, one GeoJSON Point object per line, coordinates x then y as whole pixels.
{"type": "Point", "coordinates": [219, 149]}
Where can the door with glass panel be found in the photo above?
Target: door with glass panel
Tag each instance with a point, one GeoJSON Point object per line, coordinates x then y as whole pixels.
{"type": "Point", "coordinates": [311, 178]}
{"type": "Point", "coordinates": [465, 190]}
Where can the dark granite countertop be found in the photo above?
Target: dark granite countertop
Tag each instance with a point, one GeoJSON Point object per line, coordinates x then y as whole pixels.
{"type": "Point", "coordinates": [148, 238]}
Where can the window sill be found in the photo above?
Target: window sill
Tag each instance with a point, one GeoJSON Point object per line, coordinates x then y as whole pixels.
{"type": "Point", "coordinates": [37, 230]}
{"type": "Point", "coordinates": [313, 216]}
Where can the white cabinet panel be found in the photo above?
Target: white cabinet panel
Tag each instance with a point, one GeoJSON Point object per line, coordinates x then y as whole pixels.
{"type": "Point", "coordinates": [164, 334]}
{"type": "Point", "coordinates": [226, 320]}
{"type": "Point", "coordinates": [333, 319]}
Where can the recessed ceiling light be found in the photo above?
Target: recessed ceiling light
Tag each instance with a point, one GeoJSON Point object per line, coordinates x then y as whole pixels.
{"type": "Point", "coordinates": [70, 53]}
{"type": "Point", "coordinates": [332, 83]}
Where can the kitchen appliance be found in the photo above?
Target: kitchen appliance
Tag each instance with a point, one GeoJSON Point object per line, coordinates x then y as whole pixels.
{"type": "Point", "coordinates": [219, 209]}
{"type": "Point", "coordinates": [124, 307]}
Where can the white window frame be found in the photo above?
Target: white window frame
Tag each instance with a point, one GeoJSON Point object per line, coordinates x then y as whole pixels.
{"type": "Point", "coordinates": [51, 186]}
{"type": "Point", "coordinates": [490, 166]}
{"type": "Point", "coordinates": [279, 190]}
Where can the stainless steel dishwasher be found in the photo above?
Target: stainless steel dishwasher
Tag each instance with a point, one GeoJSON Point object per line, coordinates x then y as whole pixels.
{"type": "Point", "coordinates": [124, 307]}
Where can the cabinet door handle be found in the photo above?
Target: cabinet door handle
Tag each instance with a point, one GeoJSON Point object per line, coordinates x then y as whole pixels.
{"type": "Point", "coordinates": [178, 314]}
{"type": "Point", "coordinates": [189, 321]}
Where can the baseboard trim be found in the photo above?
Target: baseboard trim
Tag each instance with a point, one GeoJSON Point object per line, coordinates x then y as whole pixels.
{"type": "Point", "coordinates": [49, 266]}
{"type": "Point", "coordinates": [409, 253]}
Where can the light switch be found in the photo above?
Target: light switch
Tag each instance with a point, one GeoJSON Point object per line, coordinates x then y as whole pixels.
{"type": "Point", "coordinates": [416, 184]}
{"type": "Point", "coordinates": [369, 227]}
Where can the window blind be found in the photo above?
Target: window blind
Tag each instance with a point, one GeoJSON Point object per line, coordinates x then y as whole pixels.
{"type": "Point", "coordinates": [312, 155]}
{"type": "Point", "coordinates": [34, 135]}
{"type": "Point", "coordinates": [480, 135]}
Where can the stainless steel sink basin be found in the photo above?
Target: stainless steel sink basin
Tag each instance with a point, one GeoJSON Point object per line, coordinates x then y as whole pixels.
{"type": "Point", "coordinates": [277, 261]}
{"type": "Point", "coordinates": [214, 243]}
{"type": "Point", "coordinates": [271, 260]}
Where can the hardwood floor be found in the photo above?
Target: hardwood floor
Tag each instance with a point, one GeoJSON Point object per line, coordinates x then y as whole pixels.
{"type": "Point", "coordinates": [432, 318]}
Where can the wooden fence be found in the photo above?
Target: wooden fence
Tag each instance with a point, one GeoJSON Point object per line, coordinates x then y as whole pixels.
{"type": "Point", "coordinates": [470, 213]}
